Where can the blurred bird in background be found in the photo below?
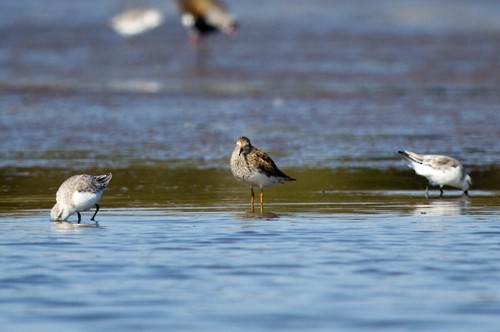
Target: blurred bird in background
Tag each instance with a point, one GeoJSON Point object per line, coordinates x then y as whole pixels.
{"type": "Point", "coordinates": [202, 17]}
{"type": "Point", "coordinates": [134, 22]}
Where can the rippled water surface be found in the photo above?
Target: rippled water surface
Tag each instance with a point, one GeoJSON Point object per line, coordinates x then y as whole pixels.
{"type": "Point", "coordinates": [430, 265]}
{"type": "Point", "coordinates": [331, 89]}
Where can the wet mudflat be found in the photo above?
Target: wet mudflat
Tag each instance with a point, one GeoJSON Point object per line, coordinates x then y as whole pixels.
{"type": "Point", "coordinates": [352, 244]}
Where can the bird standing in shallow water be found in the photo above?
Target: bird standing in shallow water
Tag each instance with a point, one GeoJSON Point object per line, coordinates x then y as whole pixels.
{"type": "Point", "coordinates": [79, 193]}
{"type": "Point", "coordinates": [202, 17]}
{"type": "Point", "coordinates": [439, 170]}
{"type": "Point", "coordinates": [255, 169]}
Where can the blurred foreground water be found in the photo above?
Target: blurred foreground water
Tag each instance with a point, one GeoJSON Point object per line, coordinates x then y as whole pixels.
{"type": "Point", "coordinates": [331, 89]}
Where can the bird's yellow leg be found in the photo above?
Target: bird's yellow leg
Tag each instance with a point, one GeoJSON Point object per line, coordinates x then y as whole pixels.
{"type": "Point", "coordinates": [261, 200]}
{"type": "Point", "coordinates": [251, 199]}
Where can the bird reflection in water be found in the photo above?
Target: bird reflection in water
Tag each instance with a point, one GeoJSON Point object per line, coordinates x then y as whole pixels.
{"type": "Point", "coordinates": [449, 207]}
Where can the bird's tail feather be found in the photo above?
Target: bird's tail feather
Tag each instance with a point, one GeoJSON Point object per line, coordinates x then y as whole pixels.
{"type": "Point", "coordinates": [411, 156]}
{"type": "Point", "coordinates": [104, 179]}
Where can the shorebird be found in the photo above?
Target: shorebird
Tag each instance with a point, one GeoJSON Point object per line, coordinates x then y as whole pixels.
{"type": "Point", "coordinates": [202, 17]}
{"type": "Point", "coordinates": [136, 21]}
{"type": "Point", "coordinates": [439, 170]}
{"type": "Point", "coordinates": [255, 169]}
{"type": "Point", "coordinates": [79, 193]}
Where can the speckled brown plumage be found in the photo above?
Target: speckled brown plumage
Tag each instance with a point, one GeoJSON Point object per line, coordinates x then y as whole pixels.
{"type": "Point", "coordinates": [255, 168]}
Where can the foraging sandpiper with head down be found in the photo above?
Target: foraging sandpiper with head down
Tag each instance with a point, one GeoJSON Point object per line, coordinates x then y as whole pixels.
{"type": "Point", "coordinates": [439, 170]}
{"type": "Point", "coordinates": [79, 193]}
{"type": "Point", "coordinates": [255, 169]}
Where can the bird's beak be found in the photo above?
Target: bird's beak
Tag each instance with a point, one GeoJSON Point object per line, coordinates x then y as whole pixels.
{"type": "Point", "coordinates": [241, 150]}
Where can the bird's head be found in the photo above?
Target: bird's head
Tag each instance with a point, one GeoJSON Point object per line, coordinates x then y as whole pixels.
{"type": "Point", "coordinates": [244, 145]}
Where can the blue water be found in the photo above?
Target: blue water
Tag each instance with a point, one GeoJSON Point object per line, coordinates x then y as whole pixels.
{"type": "Point", "coordinates": [331, 89]}
{"type": "Point", "coordinates": [157, 270]}
{"type": "Point", "coordinates": [365, 80]}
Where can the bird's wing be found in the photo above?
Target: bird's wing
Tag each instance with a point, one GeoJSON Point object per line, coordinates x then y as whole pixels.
{"type": "Point", "coordinates": [440, 162]}
{"type": "Point", "coordinates": [266, 165]}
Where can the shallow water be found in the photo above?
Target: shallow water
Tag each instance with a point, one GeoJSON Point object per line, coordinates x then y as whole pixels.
{"type": "Point", "coordinates": [331, 89]}
{"type": "Point", "coordinates": [430, 265]}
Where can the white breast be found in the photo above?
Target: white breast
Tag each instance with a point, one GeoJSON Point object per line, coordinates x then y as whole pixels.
{"type": "Point", "coordinates": [85, 200]}
{"type": "Point", "coordinates": [449, 176]}
{"type": "Point", "coordinates": [261, 180]}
